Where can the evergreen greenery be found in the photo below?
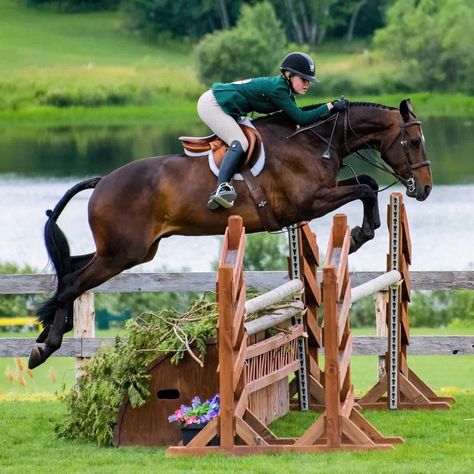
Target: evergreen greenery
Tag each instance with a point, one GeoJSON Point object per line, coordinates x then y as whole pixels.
{"type": "Point", "coordinates": [120, 371]}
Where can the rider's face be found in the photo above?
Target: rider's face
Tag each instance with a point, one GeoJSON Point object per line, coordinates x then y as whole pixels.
{"type": "Point", "coordinates": [300, 85]}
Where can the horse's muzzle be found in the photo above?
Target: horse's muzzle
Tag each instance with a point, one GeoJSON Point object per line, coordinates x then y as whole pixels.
{"type": "Point", "coordinates": [420, 192]}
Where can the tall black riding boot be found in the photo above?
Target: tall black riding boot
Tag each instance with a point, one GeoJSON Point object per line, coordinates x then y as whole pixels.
{"type": "Point", "coordinates": [225, 194]}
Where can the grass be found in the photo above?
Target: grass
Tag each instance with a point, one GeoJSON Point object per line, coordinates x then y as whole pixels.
{"type": "Point", "coordinates": [102, 75]}
{"type": "Point", "coordinates": [435, 441]}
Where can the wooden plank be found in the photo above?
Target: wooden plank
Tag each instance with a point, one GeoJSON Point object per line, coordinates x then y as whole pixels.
{"type": "Point", "coordinates": [344, 361]}
{"type": "Point", "coordinates": [374, 394]}
{"type": "Point", "coordinates": [410, 391]}
{"type": "Point", "coordinates": [354, 433]}
{"type": "Point", "coordinates": [312, 434]}
{"type": "Point", "coordinates": [343, 311]}
{"type": "Point", "coordinates": [310, 245]}
{"type": "Point", "coordinates": [275, 341]}
{"type": "Point", "coordinates": [248, 434]}
{"type": "Point", "coordinates": [362, 345]}
{"type": "Point", "coordinates": [311, 281]}
{"type": "Point", "coordinates": [205, 281]}
{"type": "Point", "coordinates": [273, 377]}
{"type": "Point", "coordinates": [226, 357]}
{"type": "Point", "coordinates": [331, 369]}
{"type": "Point", "coordinates": [205, 435]}
{"type": "Point", "coordinates": [239, 362]}
{"type": "Point", "coordinates": [237, 323]}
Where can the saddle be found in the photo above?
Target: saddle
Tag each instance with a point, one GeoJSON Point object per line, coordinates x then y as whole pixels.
{"type": "Point", "coordinates": [195, 146]}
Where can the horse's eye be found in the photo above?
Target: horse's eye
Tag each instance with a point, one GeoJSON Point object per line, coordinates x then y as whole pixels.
{"type": "Point", "coordinates": [415, 142]}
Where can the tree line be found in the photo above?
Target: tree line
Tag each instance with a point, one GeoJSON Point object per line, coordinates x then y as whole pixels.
{"type": "Point", "coordinates": [430, 41]}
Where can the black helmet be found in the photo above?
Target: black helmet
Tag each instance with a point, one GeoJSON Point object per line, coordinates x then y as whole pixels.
{"type": "Point", "coordinates": [300, 64]}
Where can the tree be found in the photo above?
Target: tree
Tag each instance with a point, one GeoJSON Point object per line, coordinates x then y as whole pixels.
{"type": "Point", "coordinates": [430, 41]}
{"type": "Point", "coordinates": [254, 47]}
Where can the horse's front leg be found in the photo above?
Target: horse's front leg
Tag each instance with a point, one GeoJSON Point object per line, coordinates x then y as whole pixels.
{"type": "Point", "coordinates": [330, 199]}
{"type": "Point", "coordinates": [369, 209]}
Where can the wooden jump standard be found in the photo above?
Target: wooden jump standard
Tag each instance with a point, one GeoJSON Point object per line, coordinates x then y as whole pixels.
{"type": "Point", "coordinates": [244, 367]}
{"type": "Point", "coordinates": [400, 387]}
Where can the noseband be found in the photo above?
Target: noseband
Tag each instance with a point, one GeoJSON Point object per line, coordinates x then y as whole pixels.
{"type": "Point", "coordinates": [410, 182]}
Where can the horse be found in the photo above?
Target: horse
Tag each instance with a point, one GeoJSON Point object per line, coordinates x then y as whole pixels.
{"type": "Point", "coordinates": [134, 207]}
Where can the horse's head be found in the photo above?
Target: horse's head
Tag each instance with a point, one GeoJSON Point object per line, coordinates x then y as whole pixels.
{"type": "Point", "coordinates": [404, 150]}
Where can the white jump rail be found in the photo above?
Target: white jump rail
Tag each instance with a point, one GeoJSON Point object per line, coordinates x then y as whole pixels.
{"type": "Point", "coordinates": [277, 316]}
{"type": "Point", "coordinates": [376, 284]}
{"type": "Point", "coordinates": [273, 297]}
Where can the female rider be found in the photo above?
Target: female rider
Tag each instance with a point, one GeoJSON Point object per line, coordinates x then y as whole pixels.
{"type": "Point", "coordinates": [224, 104]}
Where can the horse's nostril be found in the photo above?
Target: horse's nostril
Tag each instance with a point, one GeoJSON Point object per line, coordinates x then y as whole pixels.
{"type": "Point", "coordinates": [427, 190]}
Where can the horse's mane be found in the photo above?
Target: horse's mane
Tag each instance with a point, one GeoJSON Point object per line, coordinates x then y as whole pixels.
{"type": "Point", "coordinates": [282, 117]}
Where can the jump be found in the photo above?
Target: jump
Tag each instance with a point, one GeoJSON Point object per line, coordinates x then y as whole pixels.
{"type": "Point", "coordinates": [134, 207]}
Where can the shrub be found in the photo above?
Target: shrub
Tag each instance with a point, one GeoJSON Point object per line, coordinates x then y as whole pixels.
{"type": "Point", "coordinates": [253, 48]}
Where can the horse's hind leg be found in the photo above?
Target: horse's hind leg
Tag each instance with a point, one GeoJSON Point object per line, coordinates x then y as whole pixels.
{"type": "Point", "coordinates": [75, 284]}
{"type": "Point", "coordinates": [77, 262]}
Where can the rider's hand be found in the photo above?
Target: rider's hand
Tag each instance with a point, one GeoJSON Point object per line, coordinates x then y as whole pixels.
{"type": "Point", "coordinates": [339, 105]}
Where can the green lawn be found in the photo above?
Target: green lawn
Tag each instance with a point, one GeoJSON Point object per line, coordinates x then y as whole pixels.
{"type": "Point", "coordinates": [435, 441]}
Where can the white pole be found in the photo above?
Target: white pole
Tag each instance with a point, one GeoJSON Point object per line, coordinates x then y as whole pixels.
{"type": "Point", "coordinates": [273, 296]}
{"type": "Point", "coordinates": [376, 284]}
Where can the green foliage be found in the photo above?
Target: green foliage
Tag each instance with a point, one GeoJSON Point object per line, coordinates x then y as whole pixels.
{"type": "Point", "coordinates": [266, 252]}
{"type": "Point", "coordinates": [138, 303]}
{"type": "Point", "coordinates": [165, 19]}
{"type": "Point", "coordinates": [72, 6]}
{"type": "Point", "coordinates": [432, 309]}
{"type": "Point", "coordinates": [254, 47]}
{"type": "Point", "coordinates": [116, 372]}
{"type": "Point", "coordinates": [429, 39]}
{"type": "Point", "coordinates": [14, 305]}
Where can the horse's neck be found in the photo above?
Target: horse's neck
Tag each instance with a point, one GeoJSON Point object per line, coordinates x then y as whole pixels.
{"type": "Point", "coordinates": [366, 127]}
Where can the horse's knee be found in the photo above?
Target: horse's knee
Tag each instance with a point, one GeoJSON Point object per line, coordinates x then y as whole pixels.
{"type": "Point", "coordinates": [369, 181]}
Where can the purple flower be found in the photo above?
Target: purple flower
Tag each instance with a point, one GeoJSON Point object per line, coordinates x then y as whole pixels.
{"type": "Point", "coordinates": [198, 412]}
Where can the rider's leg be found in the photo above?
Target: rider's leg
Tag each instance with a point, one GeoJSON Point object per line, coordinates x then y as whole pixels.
{"type": "Point", "coordinates": [228, 130]}
{"type": "Point", "coordinates": [225, 194]}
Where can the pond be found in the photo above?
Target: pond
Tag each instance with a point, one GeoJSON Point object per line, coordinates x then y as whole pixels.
{"type": "Point", "coordinates": [91, 151]}
{"type": "Point", "coordinates": [38, 166]}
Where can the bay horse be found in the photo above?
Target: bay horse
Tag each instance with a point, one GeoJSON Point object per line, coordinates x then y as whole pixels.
{"type": "Point", "coordinates": [134, 207]}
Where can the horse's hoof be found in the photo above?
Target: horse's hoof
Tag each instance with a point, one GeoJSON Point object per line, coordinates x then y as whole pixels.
{"type": "Point", "coordinates": [43, 334]}
{"type": "Point", "coordinates": [36, 357]}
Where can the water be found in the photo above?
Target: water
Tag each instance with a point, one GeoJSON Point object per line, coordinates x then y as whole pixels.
{"type": "Point", "coordinates": [38, 165]}
{"type": "Point", "coordinates": [442, 229]}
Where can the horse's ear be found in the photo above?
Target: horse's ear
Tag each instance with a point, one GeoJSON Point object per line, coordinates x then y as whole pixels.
{"type": "Point", "coordinates": [406, 109]}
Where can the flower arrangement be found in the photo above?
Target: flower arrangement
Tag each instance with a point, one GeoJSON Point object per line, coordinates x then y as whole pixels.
{"type": "Point", "coordinates": [199, 412]}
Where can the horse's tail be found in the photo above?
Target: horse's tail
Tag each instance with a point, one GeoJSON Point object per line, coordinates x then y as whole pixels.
{"type": "Point", "coordinates": [57, 247]}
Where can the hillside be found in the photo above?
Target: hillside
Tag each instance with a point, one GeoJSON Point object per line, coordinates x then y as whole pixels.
{"type": "Point", "coordinates": [86, 68]}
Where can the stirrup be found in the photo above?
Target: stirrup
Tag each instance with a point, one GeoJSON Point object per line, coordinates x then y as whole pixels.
{"type": "Point", "coordinates": [224, 196]}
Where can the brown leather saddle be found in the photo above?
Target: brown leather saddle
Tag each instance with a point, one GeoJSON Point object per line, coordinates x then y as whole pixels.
{"type": "Point", "coordinates": [198, 145]}
{"type": "Point", "coordinates": [202, 145]}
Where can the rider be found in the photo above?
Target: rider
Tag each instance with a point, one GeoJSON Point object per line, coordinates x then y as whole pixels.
{"type": "Point", "coordinates": [224, 104]}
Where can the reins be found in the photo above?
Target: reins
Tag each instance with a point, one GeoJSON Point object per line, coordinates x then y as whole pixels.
{"type": "Point", "coordinates": [374, 155]}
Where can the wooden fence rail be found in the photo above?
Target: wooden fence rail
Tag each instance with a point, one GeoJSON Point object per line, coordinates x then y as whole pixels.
{"type": "Point", "coordinates": [205, 281]}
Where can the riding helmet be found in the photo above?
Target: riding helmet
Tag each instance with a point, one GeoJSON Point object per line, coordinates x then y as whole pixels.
{"type": "Point", "coordinates": [300, 64]}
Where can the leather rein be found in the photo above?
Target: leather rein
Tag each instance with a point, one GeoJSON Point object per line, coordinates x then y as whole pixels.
{"type": "Point", "coordinates": [402, 135]}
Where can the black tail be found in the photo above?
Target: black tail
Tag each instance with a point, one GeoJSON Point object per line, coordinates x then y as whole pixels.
{"type": "Point", "coordinates": [58, 248]}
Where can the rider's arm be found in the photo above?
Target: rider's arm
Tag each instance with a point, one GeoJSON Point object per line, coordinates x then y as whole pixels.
{"type": "Point", "coordinates": [283, 101]}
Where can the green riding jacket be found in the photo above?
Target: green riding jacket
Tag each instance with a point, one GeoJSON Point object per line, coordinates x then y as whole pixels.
{"type": "Point", "coordinates": [264, 95]}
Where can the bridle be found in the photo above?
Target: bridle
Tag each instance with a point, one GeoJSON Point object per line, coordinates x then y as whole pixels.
{"type": "Point", "coordinates": [403, 136]}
